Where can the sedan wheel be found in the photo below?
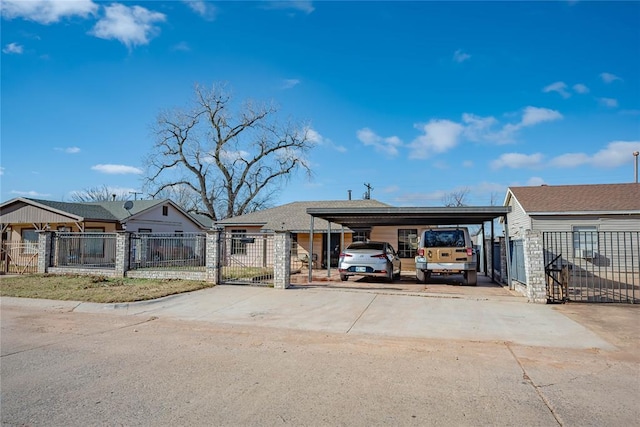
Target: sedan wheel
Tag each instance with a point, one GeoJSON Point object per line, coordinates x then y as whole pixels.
{"type": "Point", "coordinates": [344, 277]}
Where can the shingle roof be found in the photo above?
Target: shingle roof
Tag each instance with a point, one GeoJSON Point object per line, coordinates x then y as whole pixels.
{"type": "Point", "coordinates": [105, 210]}
{"type": "Point", "coordinates": [579, 198]}
{"type": "Point", "coordinates": [294, 217]}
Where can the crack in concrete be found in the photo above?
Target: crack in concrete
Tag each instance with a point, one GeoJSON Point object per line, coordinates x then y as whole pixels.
{"type": "Point", "coordinates": [536, 387]}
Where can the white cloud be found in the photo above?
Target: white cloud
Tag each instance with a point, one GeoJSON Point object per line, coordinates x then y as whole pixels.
{"type": "Point", "coordinates": [300, 5]}
{"type": "Point", "coordinates": [231, 156]}
{"type": "Point", "coordinates": [132, 26]}
{"type": "Point", "coordinates": [30, 193]}
{"type": "Point", "coordinates": [181, 47]}
{"type": "Point", "coordinates": [47, 11]}
{"type": "Point", "coordinates": [315, 137]}
{"type": "Point", "coordinates": [616, 153]}
{"type": "Point", "coordinates": [559, 87]}
{"type": "Point", "coordinates": [203, 8]}
{"type": "Point", "coordinates": [1, 171]}
{"type": "Point", "coordinates": [608, 102]}
{"type": "Point", "coordinates": [478, 128]}
{"type": "Point", "coordinates": [609, 78]}
{"type": "Point", "coordinates": [388, 145]}
{"type": "Point", "coordinates": [117, 169]}
{"type": "Point", "coordinates": [535, 115]}
{"type": "Point", "coordinates": [69, 150]}
{"type": "Point", "coordinates": [530, 116]}
{"type": "Point", "coordinates": [439, 136]}
{"type": "Point", "coordinates": [460, 56]}
{"type": "Point", "coordinates": [13, 48]}
{"type": "Point", "coordinates": [467, 164]}
{"type": "Point", "coordinates": [535, 181]}
{"type": "Point", "coordinates": [569, 160]}
{"type": "Point", "coordinates": [289, 83]}
{"type": "Point", "coordinates": [518, 161]}
{"type": "Point", "coordinates": [580, 88]}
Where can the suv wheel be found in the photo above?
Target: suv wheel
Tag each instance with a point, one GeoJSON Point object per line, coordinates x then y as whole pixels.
{"type": "Point", "coordinates": [344, 277]}
{"type": "Point", "coordinates": [470, 277]}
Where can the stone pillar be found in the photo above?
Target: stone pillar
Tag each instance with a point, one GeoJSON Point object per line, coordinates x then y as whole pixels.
{"type": "Point", "coordinates": [281, 260]}
{"type": "Point", "coordinates": [123, 246]}
{"type": "Point", "coordinates": [213, 251]}
{"type": "Point", "coordinates": [534, 267]}
{"type": "Point", "coordinates": [44, 251]}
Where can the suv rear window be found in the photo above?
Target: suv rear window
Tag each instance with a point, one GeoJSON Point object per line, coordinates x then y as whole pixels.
{"type": "Point", "coordinates": [444, 239]}
{"type": "Point", "coordinates": [367, 245]}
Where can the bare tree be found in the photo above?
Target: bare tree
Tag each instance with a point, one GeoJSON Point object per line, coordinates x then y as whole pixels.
{"type": "Point", "coordinates": [233, 160]}
{"type": "Point", "coordinates": [456, 198]}
{"type": "Point", "coordinates": [98, 194]}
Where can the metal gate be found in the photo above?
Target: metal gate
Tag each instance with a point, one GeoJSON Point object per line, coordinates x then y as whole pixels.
{"type": "Point", "coordinates": [19, 257]}
{"type": "Point", "coordinates": [592, 266]}
{"type": "Point", "coordinates": [247, 258]}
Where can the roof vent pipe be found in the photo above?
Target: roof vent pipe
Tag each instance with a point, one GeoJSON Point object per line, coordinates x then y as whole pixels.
{"type": "Point", "coordinates": [349, 191]}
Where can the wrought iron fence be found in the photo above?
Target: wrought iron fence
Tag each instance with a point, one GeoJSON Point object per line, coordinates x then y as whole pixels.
{"type": "Point", "coordinates": [84, 250]}
{"type": "Point", "coordinates": [517, 261]}
{"type": "Point", "coordinates": [247, 258]}
{"type": "Point", "coordinates": [19, 257]}
{"type": "Point", "coordinates": [593, 266]}
{"type": "Point", "coordinates": [168, 251]}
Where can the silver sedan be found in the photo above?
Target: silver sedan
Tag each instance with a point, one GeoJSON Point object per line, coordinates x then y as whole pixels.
{"type": "Point", "coordinates": [375, 259]}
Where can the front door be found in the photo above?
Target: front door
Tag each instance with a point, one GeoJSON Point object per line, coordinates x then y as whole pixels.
{"type": "Point", "coordinates": [335, 250]}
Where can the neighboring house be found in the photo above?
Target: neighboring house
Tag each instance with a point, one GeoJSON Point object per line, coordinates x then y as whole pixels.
{"type": "Point", "coordinates": [21, 218]}
{"type": "Point", "coordinates": [597, 207]}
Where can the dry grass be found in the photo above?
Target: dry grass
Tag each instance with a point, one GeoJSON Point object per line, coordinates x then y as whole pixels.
{"type": "Point", "coordinates": [99, 289]}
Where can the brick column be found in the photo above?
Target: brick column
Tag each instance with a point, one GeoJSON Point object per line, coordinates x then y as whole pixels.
{"type": "Point", "coordinates": [281, 260]}
{"type": "Point", "coordinates": [123, 243]}
{"type": "Point", "coordinates": [212, 261]}
{"type": "Point", "coordinates": [44, 251]}
{"type": "Point", "coordinates": [534, 267]}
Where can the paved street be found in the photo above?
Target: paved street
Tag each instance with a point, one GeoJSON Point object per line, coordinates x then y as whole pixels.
{"type": "Point", "coordinates": [315, 356]}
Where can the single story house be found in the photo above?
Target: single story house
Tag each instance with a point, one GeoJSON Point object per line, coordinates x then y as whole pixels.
{"type": "Point", "coordinates": [571, 208]}
{"type": "Point", "coordinates": [21, 218]}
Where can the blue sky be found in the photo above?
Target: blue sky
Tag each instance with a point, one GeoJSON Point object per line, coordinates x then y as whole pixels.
{"type": "Point", "coordinates": [419, 99]}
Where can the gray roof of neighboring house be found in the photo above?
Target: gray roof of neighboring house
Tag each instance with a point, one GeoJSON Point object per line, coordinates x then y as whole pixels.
{"type": "Point", "coordinates": [624, 198]}
{"type": "Point", "coordinates": [294, 217]}
{"type": "Point", "coordinates": [104, 210]}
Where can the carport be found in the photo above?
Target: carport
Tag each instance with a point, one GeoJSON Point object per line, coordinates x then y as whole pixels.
{"type": "Point", "coordinates": [365, 218]}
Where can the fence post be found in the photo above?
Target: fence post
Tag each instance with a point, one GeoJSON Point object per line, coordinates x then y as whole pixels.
{"type": "Point", "coordinates": [503, 261]}
{"type": "Point", "coordinates": [212, 261]}
{"type": "Point", "coordinates": [534, 267]}
{"type": "Point", "coordinates": [44, 250]}
{"type": "Point", "coordinates": [123, 243]}
{"type": "Point", "coordinates": [281, 259]}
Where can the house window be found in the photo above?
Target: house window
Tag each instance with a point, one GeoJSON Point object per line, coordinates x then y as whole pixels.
{"type": "Point", "coordinates": [585, 241]}
{"type": "Point", "coordinates": [64, 229]}
{"type": "Point", "coordinates": [405, 237]}
{"type": "Point", "coordinates": [360, 236]}
{"type": "Point", "coordinates": [144, 230]}
{"type": "Point", "coordinates": [238, 245]}
{"type": "Point", "coordinates": [165, 210]}
{"type": "Point", "coordinates": [30, 239]}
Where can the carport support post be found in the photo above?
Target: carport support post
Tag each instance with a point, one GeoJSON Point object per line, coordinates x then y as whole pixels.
{"type": "Point", "coordinates": [534, 267]}
{"type": "Point", "coordinates": [123, 243]}
{"type": "Point", "coordinates": [44, 250]}
{"type": "Point", "coordinates": [212, 262]}
{"type": "Point", "coordinates": [281, 259]}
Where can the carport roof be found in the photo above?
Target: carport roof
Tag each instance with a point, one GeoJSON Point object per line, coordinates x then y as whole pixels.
{"type": "Point", "coordinates": [355, 218]}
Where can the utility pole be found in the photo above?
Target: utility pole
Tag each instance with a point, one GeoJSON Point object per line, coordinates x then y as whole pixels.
{"type": "Point", "coordinates": [635, 154]}
{"type": "Point", "coordinates": [367, 195]}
